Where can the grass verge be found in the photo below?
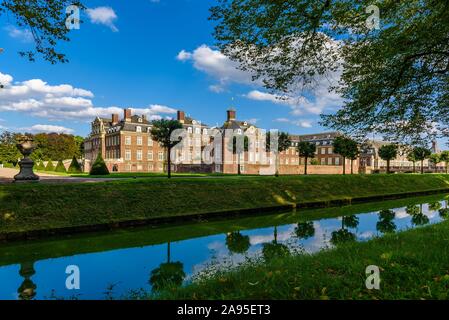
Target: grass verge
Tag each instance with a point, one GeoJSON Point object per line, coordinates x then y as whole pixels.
{"type": "Point", "coordinates": [31, 207]}
{"type": "Point", "coordinates": [413, 264]}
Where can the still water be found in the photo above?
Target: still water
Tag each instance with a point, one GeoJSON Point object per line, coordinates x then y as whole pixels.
{"type": "Point", "coordinates": [116, 263]}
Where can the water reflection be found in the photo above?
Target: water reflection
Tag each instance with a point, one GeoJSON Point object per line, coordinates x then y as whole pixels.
{"type": "Point", "coordinates": [168, 274]}
{"type": "Point", "coordinates": [157, 258]}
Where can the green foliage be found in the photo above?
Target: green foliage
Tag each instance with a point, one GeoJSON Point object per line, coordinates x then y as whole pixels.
{"type": "Point", "coordinates": [444, 157]}
{"type": "Point", "coordinates": [421, 153]}
{"type": "Point", "coordinates": [347, 148]}
{"type": "Point", "coordinates": [40, 166]}
{"type": "Point", "coordinates": [237, 243]}
{"type": "Point", "coordinates": [435, 158]}
{"type": "Point", "coordinates": [74, 166]}
{"type": "Point", "coordinates": [162, 132]}
{"type": "Point", "coordinates": [305, 230]}
{"type": "Point", "coordinates": [394, 77]}
{"type": "Point", "coordinates": [306, 149]}
{"type": "Point", "coordinates": [49, 166]}
{"type": "Point", "coordinates": [386, 221]}
{"type": "Point", "coordinates": [314, 162]}
{"type": "Point", "coordinates": [284, 141]}
{"type": "Point", "coordinates": [46, 20]}
{"type": "Point", "coordinates": [8, 150]}
{"type": "Point", "coordinates": [388, 152]}
{"type": "Point", "coordinates": [60, 167]}
{"type": "Point", "coordinates": [99, 167]}
{"type": "Point", "coordinates": [168, 275]}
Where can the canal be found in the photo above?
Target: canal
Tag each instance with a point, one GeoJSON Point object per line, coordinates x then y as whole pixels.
{"type": "Point", "coordinates": [116, 263]}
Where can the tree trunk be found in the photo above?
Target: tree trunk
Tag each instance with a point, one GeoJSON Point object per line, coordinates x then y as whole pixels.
{"type": "Point", "coordinates": [446, 167]}
{"type": "Point", "coordinates": [352, 169]}
{"type": "Point", "coordinates": [239, 172]}
{"type": "Point", "coordinates": [305, 166]}
{"type": "Point", "coordinates": [169, 163]}
{"type": "Point", "coordinates": [168, 252]}
{"type": "Point", "coordinates": [422, 166]}
{"type": "Point", "coordinates": [388, 166]}
{"type": "Point", "coordinates": [344, 165]}
{"type": "Point", "coordinates": [414, 167]}
{"type": "Point", "coordinates": [277, 164]}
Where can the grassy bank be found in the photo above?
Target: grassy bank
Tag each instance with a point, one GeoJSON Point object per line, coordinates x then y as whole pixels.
{"type": "Point", "coordinates": [27, 207]}
{"type": "Point", "coordinates": [413, 265]}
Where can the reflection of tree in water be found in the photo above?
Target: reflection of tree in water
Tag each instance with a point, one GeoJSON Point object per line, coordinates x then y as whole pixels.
{"type": "Point", "coordinates": [386, 221]}
{"type": "Point", "coordinates": [444, 212]}
{"type": "Point", "coordinates": [27, 290]}
{"type": "Point", "coordinates": [305, 230]}
{"type": "Point", "coordinates": [344, 235]}
{"type": "Point", "coordinates": [418, 218]}
{"type": "Point", "coordinates": [169, 274]}
{"type": "Point", "coordinates": [434, 206]}
{"type": "Point", "coordinates": [272, 250]}
{"type": "Point", "coordinates": [237, 243]}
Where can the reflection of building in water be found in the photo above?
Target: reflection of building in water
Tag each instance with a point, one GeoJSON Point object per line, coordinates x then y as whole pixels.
{"type": "Point", "coordinates": [27, 290]}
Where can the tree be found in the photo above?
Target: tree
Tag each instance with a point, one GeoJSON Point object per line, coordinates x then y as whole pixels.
{"type": "Point", "coordinates": [49, 166]}
{"type": "Point", "coordinates": [74, 166]}
{"type": "Point", "coordinates": [46, 21]}
{"type": "Point", "coordinates": [346, 148]}
{"type": "Point", "coordinates": [237, 243]}
{"type": "Point", "coordinates": [284, 143]}
{"type": "Point", "coordinates": [8, 150]}
{"type": "Point", "coordinates": [388, 152]}
{"type": "Point", "coordinates": [169, 274]}
{"type": "Point", "coordinates": [411, 158]}
{"type": "Point", "coordinates": [418, 218]}
{"type": "Point", "coordinates": [273, 250]}
{"type": "Point", "coordinates": [393, 73]}
{"type": "Point", "coordinates": [162, 132]}
{"type": "Point", "coordinates": [99, 167]}
{"type": "Point", "coordinates": [421, 154]}
{"type": "Point", "coordinates": [40, 166]}
{"type": "Point", "coordinates": [60, 167]}
{"type": "Point", "coordinates": [386, 221]}
{"type": "Point", "coordinates": [306, 150]}
{"type": "Point", "coordinates": [305, 230]}
{"type": "Point", "coordinates": [435, 158]}
{"type": "Point", "coordinates": [344, 235]}
{"type": "Point", "coordinates": [353, 154]}
{"type": "Point", "coordinates": [444, 157]}
{"type": "Point", "coordinates": [237, 149]}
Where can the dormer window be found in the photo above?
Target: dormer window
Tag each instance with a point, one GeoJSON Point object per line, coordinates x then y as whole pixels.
{"type": "Point", "coordinates": [138, 129]}
{"type": "Point", "coordinates": [239, 131]}
{"type": "Point", "coordinates": [189, 130]}
{"type": "Point", "coordinates": [140, 120]}
{"type": "Point", "coordinates": [245, 123]}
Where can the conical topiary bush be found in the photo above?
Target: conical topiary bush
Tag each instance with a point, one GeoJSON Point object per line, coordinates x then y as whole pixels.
{"type": "Point", "coordinates": [60, 167]}
{"type": "Point", "coordinates": [40, 166]}
{"type": "Point", "coordinates": [99, 167]}
{"type": "Point", "coordinates": [50, 166]}
{"type": "Point", "coordinates": [74, 166]}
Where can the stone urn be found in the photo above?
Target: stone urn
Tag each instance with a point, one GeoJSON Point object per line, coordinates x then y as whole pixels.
{"type": "Point", "coordinates": [26, 148]}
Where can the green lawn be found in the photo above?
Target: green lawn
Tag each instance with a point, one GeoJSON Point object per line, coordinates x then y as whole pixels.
{"type": "Point", "coordinates": [413, 265]}
{"type": "Point", "coordinates": [41, 206]}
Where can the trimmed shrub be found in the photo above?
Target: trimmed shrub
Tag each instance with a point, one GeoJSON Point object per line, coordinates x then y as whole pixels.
{"type": "Point", "coordinates": [40, 166]}
{"type": "Point", "coordinates": [49, 166]}
{"type": "Point", "coordinates": [60, 167]}
{"type": "Point", "coordinates": [99, 167]}
{"type": "Point", "coordinates": [74, 166]}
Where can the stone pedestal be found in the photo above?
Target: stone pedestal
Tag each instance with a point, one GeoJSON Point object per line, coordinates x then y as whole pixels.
{"type": "Point", "coordinates": [26, 171]}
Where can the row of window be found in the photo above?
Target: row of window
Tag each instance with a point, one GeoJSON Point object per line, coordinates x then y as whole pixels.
{"type": "Point", "coordinates": [139, 155]}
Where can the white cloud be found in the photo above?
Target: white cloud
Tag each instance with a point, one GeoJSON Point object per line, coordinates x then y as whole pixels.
{"type": "Point", "coordinates": [46, 128]}
{"type": "Point", "coordinates": [103, 15]}
{"type": "Point", "coordinates": [23, 35]}
{"type": "Point", "coordinates": [61, 102]}
{"type": "Point", "coordinates": [299, 123]}
{"type": "Point", "coordinates": [217, 65]}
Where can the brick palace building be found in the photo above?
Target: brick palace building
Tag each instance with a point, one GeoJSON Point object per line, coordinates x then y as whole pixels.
{"type": "Point", "coordinates": [127, 146]}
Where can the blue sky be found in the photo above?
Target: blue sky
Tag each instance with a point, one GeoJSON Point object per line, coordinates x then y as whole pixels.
{"type": "Point", "coordinates": [154, 56]}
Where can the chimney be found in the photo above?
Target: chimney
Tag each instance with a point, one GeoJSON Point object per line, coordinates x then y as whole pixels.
{"type": "Point", "coordinates": [114, 118]}
{"type": "Point", "coordinates": [231, 114]}
{"type": "Point", "coordinates": [435, 147]}
{"type": "Point", "coordinates": [127, 115]}
{"type": "Point", "coordinates": [181, 116]}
